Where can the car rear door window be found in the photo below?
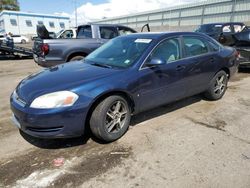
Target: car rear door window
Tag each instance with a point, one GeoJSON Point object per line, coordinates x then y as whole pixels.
{"type": "Point", "coordinates": [108, 32]}
{"type": "Point", "coordinates": [213, 46]}
{"type": "Point", "coordinates": [84, 32]}
{"type": "Point", "coordinates": [168, 50]}
{"type": "Point", "coordinates": [195, 46]}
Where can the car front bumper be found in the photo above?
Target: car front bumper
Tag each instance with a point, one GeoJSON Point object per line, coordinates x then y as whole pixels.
{"type": "Point", "coordinates": [49, 123]}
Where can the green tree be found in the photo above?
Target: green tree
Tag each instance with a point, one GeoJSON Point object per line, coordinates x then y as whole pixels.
{"type": "Point", "coordinates": [9, 5]}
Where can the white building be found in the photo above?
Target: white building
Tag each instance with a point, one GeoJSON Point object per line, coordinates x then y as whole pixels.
{"type": "Point", "coordinates": [23, 23]}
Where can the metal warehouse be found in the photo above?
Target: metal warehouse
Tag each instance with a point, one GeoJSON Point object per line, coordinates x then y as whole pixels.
{"type": "Point", "coordinates": [188, 16]}
{"type": "Point", "coordinates": [23, 23]}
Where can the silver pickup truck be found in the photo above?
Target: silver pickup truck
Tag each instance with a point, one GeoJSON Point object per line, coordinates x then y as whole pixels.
{"type": "Point", "coordinates": [49, 51]}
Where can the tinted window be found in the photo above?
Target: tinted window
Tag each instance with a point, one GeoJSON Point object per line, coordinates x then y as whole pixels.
{"type": "Point", "coordinates": [40, 22]}
{"type": "Point", "coordinates": [85, 32]}
{"type": "Point", "coordinates": [13, 22]}
{"type": "Point", "coordinates": [125, 31]}
{"type": "Point", "coordinates": [62, 24]}
{"type": "Point", "coordinates": [108, 32]}
{"type": "Point", "coordinates": [29, 23]}
{"type": "Point", "coordinates": [210, 28]}
{"type": "Point", "coordinates": [52, 24]}
{"type": "Point", "coordinates": [168, 50]}
{"type": "Point", "coordinates": [16, 35]}
{"type": "Point", "coordinates": [195, 46]}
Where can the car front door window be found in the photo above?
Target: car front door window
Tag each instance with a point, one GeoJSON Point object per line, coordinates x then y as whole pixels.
{"type": "Point", "coordinates": [163, 83]}
{"type": "Point", "coordinates": [168, 50]}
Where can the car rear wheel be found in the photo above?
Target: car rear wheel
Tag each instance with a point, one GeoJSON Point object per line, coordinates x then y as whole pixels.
{"type": "Point", "coordinates": [110, 119]}
{"type": "Point", "coordinates": [23, 41]}
{"type": "Point", "coordinates": [76, 58]}
{"type": "Point", "coordinates": [218, 86]}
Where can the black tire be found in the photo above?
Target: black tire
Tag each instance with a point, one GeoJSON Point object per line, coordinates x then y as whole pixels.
{"type": "Point", "coordinates": [23, 41]}
{"type": "Point", "coordinates": [103, 126]}
{"type": "Point", "coordinates": [77, 58]}
{"type": "Point", "coordinates": [217, 86]}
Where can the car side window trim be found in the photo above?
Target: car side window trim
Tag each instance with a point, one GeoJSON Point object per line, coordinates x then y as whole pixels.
{"type": "Point", "coordinates": [143, 67]}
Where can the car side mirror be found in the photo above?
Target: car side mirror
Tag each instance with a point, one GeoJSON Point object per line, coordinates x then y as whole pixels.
{"type": "Point", "coordinates": [156, 62]}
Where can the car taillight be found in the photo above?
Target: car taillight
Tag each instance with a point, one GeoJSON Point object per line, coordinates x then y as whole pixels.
{"type": "Point", "coordinates": [45, 49]}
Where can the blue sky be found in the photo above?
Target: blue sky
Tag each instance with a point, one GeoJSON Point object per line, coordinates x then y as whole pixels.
{"type": "Point", "coordinates": [90, 10]}
{"type": "Point", "coordinates": [52, 6]}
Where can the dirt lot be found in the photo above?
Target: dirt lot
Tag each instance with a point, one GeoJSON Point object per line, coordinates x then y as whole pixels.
{"type": "Point", "coordinates": [191, 143]}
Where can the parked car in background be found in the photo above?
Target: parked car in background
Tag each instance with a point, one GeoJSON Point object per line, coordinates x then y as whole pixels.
{"type": "Point", "coordinates": [235, 34]}
{"type": "Point", "coordinates": [125, 76]}
{"type": "Point", "coordinates": [20, 39]}
{"type": "Point", "coordinates": [17, 39]}
{"type": "Point", "coordinates": [49, 52]}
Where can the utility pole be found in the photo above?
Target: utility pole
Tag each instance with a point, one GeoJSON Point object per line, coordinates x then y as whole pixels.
{"type": "Point", "coordinates": [75, 1]}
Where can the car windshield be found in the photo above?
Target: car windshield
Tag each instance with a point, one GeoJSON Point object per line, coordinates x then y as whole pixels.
{"type": "Point", "coordinates": [210, 28]}
{"type": "Point", "coordinates": [120, 52]}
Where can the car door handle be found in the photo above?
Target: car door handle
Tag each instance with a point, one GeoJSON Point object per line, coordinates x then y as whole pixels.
{"type": "Point", "coordinates": [180, 67]}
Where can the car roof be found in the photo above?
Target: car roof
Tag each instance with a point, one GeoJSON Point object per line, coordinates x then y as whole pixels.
{"type": "Point", "coordinates": [157, 35]}
{"type": "Point", "coordinates": [114, 25]}
{"type": "Point", "coordinates": [224, 23]}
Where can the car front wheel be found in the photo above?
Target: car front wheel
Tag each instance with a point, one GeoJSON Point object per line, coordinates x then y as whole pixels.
{"type": "Point", "coordinates": [110, 119]}
{"type": "Point", "coordinates": [217, 87]}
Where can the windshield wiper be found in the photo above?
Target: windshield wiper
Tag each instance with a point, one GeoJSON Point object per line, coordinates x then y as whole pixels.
{"type": "Point", "coordinates": [101, 65]}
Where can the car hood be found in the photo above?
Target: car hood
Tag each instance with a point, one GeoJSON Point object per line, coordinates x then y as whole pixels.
{"type": "Point", "coordinates": [62, 77]}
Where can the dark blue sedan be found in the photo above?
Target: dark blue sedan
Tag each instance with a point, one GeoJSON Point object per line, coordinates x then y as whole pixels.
{"type": "Point", "coordinates": [127, 75]}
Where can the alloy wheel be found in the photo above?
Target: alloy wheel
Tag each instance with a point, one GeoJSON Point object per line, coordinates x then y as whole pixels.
{"type": "Point", "coordinates": [116, 117]}
{"type": "Point", "coordinates": [220, 85]}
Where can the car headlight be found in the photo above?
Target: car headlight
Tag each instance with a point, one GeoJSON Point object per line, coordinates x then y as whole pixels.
{"type": "Point", "coordinates": [55, 100]}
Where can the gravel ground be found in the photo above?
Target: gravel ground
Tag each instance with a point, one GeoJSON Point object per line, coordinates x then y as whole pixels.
{"type": "Point", "coordinates": [190, 143]}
